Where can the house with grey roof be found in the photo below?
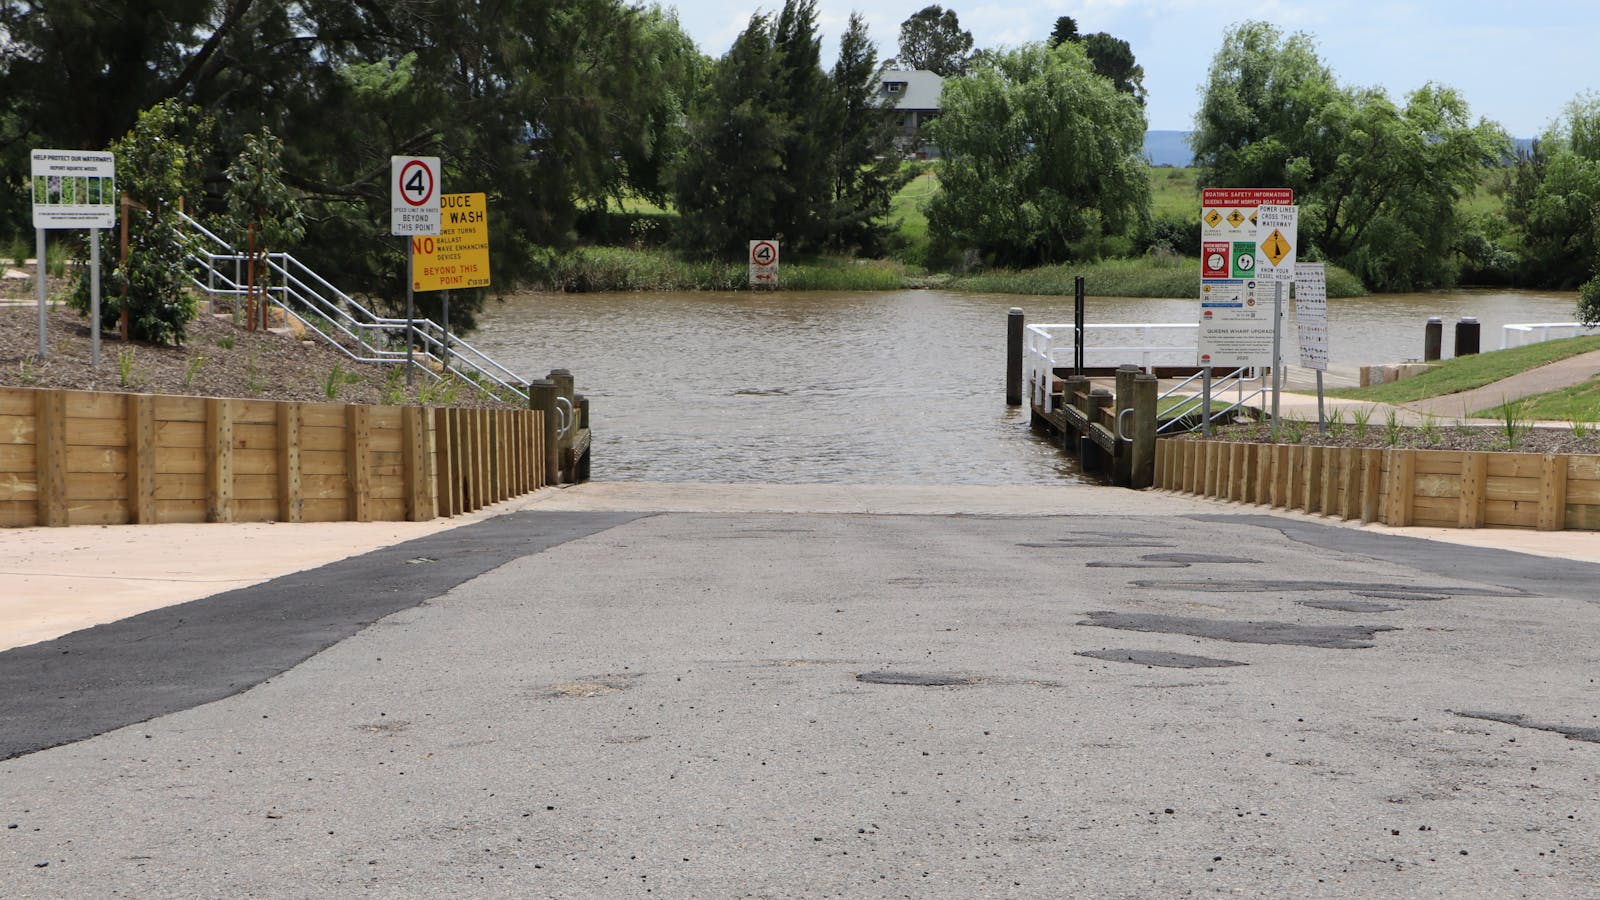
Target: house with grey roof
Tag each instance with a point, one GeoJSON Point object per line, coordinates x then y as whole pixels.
{"type": "Point", "coordinates": [913, 97]}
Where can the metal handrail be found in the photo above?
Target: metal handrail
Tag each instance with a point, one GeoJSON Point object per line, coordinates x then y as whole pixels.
{"type": "Point", "coordinates": [374, 337]}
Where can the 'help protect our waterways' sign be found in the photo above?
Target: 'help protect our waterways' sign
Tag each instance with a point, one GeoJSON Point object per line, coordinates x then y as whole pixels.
{"type": "Point", "coordinates": [459, 256]}
{"type": "Point", "coordinates": [74, 189]}
{"type": "Point", "coordinates": [1235, 323]}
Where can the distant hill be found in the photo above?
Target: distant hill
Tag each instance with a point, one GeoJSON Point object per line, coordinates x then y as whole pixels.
{"type": "Point", "coordinates": [1171, 148]}
{"type": "Point", "coordinates": [1168, 148]}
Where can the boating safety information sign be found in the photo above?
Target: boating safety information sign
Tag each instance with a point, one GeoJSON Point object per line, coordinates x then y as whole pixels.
{"type": "Point", "coordinates": [1235, 319]}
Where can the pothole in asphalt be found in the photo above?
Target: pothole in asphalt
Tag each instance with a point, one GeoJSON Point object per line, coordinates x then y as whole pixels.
{"type": "Point", "coordinates": [594, 687]}
{"type": "Point", "coordinates": [916, 679]}
{"type": "Point", "coordinates": [1351, 606]}
{"type": "Point", "coordinates": [1573, 732]}
{"type": "Point", "coordinates": [1330, 637]}
{"type": "Point", "coordinates": [1159, 658]}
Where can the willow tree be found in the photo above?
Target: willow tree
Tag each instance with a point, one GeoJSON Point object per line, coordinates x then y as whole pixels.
{"type": "Point", "coordinates": [1043, 158]}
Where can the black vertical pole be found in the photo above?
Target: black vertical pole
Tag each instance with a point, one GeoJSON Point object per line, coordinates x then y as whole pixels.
{"type": "Point", "coordinates": [1014, 322]}
{"type": "Point", "coordinates": [1077, 325]}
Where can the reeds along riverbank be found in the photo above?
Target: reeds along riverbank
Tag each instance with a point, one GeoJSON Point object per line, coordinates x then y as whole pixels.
{"type": "Point", "coordinates": [593, 269]}
{"type": "Point", "coordinates": [1148, 276]}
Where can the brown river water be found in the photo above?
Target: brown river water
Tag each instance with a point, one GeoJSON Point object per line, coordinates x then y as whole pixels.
{"type": "Point", "coordinates": [902, 387]}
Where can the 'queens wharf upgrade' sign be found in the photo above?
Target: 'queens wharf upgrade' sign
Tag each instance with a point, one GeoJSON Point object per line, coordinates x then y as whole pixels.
{"type": "Point", "coordinates": [1235, 325]}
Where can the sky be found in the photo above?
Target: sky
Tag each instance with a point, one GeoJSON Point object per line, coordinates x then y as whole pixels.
{"type": "Point", "coordinates": [1518, 64]}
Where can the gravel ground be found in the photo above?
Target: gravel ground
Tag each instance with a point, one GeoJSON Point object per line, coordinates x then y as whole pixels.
{"type": "Point", "coordinates": [218, 359]}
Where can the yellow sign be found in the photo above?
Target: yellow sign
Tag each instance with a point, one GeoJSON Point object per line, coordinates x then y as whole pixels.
{"type": "Point", "coordinates": [1213, 217]}
{"type": "Point", "coordinates": [459, 256]}
{"type": "Point", "coordinates": [1275, 247]}
{"type": "Point", "coordinates": [1235, 218]}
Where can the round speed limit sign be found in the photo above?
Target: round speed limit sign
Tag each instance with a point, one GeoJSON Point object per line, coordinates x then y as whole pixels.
{"type": "Point", "coordinates": [414, 195]}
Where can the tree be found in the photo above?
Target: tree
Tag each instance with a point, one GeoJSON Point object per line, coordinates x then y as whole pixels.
{"type": "Point", "coordinates": [1553, 199]}
{"type": "Point", "coordinates": [1066, 29]}
{"type": "Point", "coordinates": [726, 186]}
{"type": "Point", "coordinates": [263, 212]}
{"type": "Point", "coordinates": [932, 39]}
{"type": "Point", "coordinates": [865, 170]}
{"type": "Point", "coordinates": [1043, 158]}
{"type": "Point", "coordinates": [1377, 184]}
{"type": "Point", "coordinates": [158, 164]}
{"type": "Point", "coordinates": [1113, 59]}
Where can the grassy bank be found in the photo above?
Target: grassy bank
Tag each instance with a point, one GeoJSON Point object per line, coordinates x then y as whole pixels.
{"type": "Point", "coordinates": [1467, 372]}
{"type": "Point", "coordinates": [1150, 276]}
{"type": "Point", "coordinates": [592, 269]}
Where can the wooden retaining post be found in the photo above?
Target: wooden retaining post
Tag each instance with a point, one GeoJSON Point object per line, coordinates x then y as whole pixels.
{"type": "Point", "coordinates": [1402, 473]}
{"type": "Point", "coordinates": [1474, 475]}
{"type": "Point", "coordinates": [542, 398]}
{"type": "Point", "coordinates": [291, 492]}
{"type": "Point", "coordinates": [357, 437]}
{"type": "Point", "coordinates": [141, 459]}
{"type": "Point", "coordinates": [1552, 493]}
{"type": "Point", "coordinates": [219, 462]}
{"type": "Point", "coordinates": [50, 447]}
{"type": "Point", "coordinates": [1371, 484]}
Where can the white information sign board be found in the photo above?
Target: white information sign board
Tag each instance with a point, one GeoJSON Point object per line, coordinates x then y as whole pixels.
{"type": "Point", "coordinates": [74, 189]}
{"type": "Point", "coordinates": [1311, 314]}
{"type": "Point", "coordinates": [414, 195]}
{"type": "Point", "coordinates": [1277, 236]}
{"type": "Point", "coordinates": [1236, 323]}
{"type": "Point", "coordinates": [763, 263]}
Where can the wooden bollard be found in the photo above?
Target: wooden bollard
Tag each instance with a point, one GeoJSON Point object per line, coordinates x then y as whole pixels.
{"type": "Point", "coordinates": [565, 389]}
{"type": "Point", "coordinates": [1121, 462]}
{"type": "Point", "coordinates": [1142, 452]}
{"type": "Point", "coordinates": [542, 398]}
{"type": "Point", "coordinates": [1090, 456]}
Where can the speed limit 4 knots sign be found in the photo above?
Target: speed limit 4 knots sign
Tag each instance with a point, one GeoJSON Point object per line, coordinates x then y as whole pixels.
{"type": "Point", "coordinates": [414, 195]}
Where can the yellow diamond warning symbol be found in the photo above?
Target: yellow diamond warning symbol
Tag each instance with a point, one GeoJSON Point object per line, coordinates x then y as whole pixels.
{"type": "Point", "coordinates": [1252, 218]}
{"type": "Point", "coordinates": [1213, 217]}
{"type": "Point", "coordinates": [1235, 218]}
{"type": "Point", "coordinates": [1275, 247]}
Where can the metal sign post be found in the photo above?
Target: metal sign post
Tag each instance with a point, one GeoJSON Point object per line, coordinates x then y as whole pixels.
{"type": "Point", "coordinates": [1277, 355]}
{"type": "Point", "coordinates": [413, 212]}
{"type": "Point", "coordinates": [411, 338]}
{"type": "Point", "coordinates": [446, 324]}
{"type": "Point", "coordinates": [94, 298]}
{"type": "Point", "coordinates": [38, 277]}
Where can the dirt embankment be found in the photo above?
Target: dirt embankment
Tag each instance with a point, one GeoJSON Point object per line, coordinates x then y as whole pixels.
{"type": "Point", "coordinates": [218, 359]}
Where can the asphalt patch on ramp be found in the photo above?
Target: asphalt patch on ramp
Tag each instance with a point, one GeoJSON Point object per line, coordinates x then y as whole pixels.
{"type": "Point", "coordinates": [1573, 732]}
{"type": "Point", "coordinates": [102, 678]}
{"type": "Point", "coordinates": [1160, 658]}
{"type": "Point", "coordinates": [1327, 637]}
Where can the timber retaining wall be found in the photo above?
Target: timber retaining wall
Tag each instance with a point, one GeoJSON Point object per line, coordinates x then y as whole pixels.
{"type": "Point", "coordinates": [94, 458]}
{"type": "Point", "coordinates": [1442, 488]}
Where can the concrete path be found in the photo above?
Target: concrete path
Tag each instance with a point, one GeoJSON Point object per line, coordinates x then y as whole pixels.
{"type": "Point", "coordinates": [1555, 376]}
{"type": "Point", "coordinates": [1105, 694]}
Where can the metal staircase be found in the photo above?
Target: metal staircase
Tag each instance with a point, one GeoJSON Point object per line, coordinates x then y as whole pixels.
{"type": "Point", "coordinates": [331, 314]}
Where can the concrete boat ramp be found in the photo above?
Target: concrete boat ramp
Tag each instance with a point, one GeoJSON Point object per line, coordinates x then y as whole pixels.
{"type": "Point", "coordinates": [791, 691]}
